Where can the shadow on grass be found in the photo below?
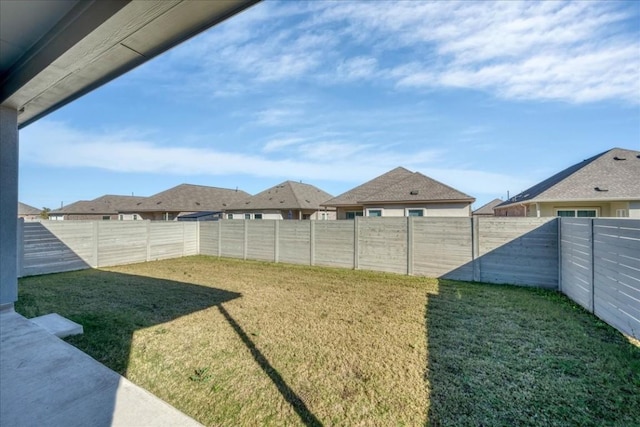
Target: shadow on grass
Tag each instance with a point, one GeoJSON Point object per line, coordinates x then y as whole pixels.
{"type": "Point", "coordinates": [506, 355]}
{"type": "Point", "coordinates": [112, 306]}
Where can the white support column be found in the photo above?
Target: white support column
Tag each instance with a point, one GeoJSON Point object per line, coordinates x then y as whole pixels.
{"type": "Point", "coordinates": [8, 207]}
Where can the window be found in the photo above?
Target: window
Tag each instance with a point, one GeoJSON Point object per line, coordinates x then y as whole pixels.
{"type": "Point", "coordinates": [257, 216]}
{"type": "Point", "coordinates": [135, 217]}
{"type": "Point", "coordinates": [622, 213]}
{"type": "Point", "coordinates": [580, 213]}
{"type": "Point", "coordinates": [230, 216]}
{"type": "Point", "coordinates": [353, 214]}
{"type": "Point", "coordinates": [375, 212]}
{"type": "Point", "coordinates": [106, 217]}
{"type": "Point", "coordinates": [306, 216]}
{"type": "Point", "coordinates": [415, 212]}
{"type": "Point", "coordinates": [247, 216]}
{"type": "Point", "coordinates": [120, 217]}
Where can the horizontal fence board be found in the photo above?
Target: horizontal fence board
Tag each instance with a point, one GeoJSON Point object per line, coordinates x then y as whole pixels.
{"type": "Point", "coordinates": [334, 243]}
{"type": "Point", "coordinates": [209, 238]}
{"type": "Point", "coordinates": [613, 258]}
{"type": "Point", "coordinates": [295, 242]}
{"type": "Point", "coordinates": [232, 238]}
{"type": "Point", "coordinates": [261, 244]}
{"type": "Point", "coordinates": [382, 244]}
{"type": "Point", "coordinates": [443, 248]}
{"type": "Point", "coordinates": [618, 317]}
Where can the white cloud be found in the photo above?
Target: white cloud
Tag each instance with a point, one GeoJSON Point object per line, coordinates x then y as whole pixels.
{"type": "Point", "coordinates": [58, 145]}
{"type": "Point", "coordinates": [570, 51]}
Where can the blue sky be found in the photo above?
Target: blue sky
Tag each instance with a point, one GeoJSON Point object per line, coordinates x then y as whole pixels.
{"type": "Point", "coordinates": [485, 97]}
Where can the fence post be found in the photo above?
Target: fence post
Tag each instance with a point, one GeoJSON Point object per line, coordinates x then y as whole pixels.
{"type": "Point", "coordinates": [356, 245]}
{"type": "Point", "coordinates": [475, 248]}
{"type": "Point", "coordinates": [20, 242]}
{"type": "Point", "coordinates": [197, 237]}
{"type": "Point", "coordinates": [276, 241]}
{"type": "Point", "coordinates": [95, 235]}
{"type": "Point", "coordinates": [245, 242]}
{"type": "Point", "coordinates": [219, 238]}
{"type": "Point", "coordinates": [148, 240]}
{"type": "Point", "coordinates": [559, 222]}
{"type": "Point", "coordinates": [410, 245]}
{"type": "Point", "coordinates": [312, 242]}
{"type": "Point", "coordinates": [593, 269]}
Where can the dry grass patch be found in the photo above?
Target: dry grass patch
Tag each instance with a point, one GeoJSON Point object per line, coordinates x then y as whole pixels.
{"type": "Point", "coordinates": [234, 342]}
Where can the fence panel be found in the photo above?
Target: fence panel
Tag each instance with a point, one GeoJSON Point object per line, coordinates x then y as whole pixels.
{"type": "Point", "coordinates": [576, 269]}
{"type": "Point", "coordinates": [261, 240]}
{"type": "Point", "coordinates": [382, 244]}
{"type": "Point", "coordinates": [442, 248]}
{"type": "Point", "coordinates": [209, 238]}
{"type": "Point", "coordinates": [295, 242]}
{"type": "Point", "coordinates": [232, 238]}
{"type": "Point", "coordinates": [50, 247]}
{"type": "Point", "coordinates": [122, 242]}
{"type": "Point", "coordinates": [520, 251]}
{"type": "Point", "coordinates": [167, 239]}
{"type": "Point", "coordinates": [334, 243]}
{"type": "Point", "coordinates": [616, 246]}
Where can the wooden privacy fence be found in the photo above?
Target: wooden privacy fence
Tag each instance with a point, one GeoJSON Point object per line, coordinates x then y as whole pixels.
{"type": "Point", "coordinates": [595, 262]}
{"type": "Point", "coordinates": [521, 251]}
{"type": "Point", "coordinates": [600, 268]}
{"type": "Point", "coordinates": [56, 246]}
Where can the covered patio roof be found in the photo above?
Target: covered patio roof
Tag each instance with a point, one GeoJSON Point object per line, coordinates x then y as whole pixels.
{"type": "Point", "coordinates": [55, 51]}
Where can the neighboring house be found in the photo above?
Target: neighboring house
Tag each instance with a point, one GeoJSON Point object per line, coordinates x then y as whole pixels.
{"type": "Point", "coordinates": [401, 192]}
{"type": "Point", "coordinates": [107, 207]}
{"type": "Point", "coordinates": [487, 210]}
{"type": "Point", "coordinates": [288, 200]}
{"type": "Point", "coordinates": [605, 185]}
{"type": "Point", "coordinates": [186, 199]}
{"type": "Point", "coordinates": [29, 213]}
{"type": "Point", "coordinates": [202, 216]}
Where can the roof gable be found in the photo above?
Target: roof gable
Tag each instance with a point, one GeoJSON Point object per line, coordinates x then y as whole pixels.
{"type": "Point", "coordinates": [416, 188]}
{"type": "Point", "coordinates": [487, 209]}
{"type": "Point", "coordinates": [190, 198]}
{"type": "Point", "coordinates": [24, 209]}
{"type": "Point", "coordinates": [107, 204]}
{"type": "Point", "coordinates": [614, 174]}
{"type": "Point", "coordinates": [373, 186]}
{"type": "Point", "coordinates": [286, 195]}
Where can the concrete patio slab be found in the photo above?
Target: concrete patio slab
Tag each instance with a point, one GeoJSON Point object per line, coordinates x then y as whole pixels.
{"type": "Point", "coordinates": [46, 381]}
{"type": "Point", "coordinates": [58, 325]}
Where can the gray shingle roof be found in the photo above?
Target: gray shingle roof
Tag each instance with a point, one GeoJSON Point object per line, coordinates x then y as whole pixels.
{"type": "Point", "coordinates": [399, 185]}
{"type": "Point", "coordinates": [190, 198]}
{"type": "Point", "coordinates": [487, 209]}
{"type": "Point", "coordinates": [614, 174]}
{"type": "Point", "coordinates": [107, 204]}
{"type": "Point", "coordinates": [377, 184]}
{"type": "Point", "coordinates": [287, 195]}
{"type": "Point", "coordinates": [24, 209]}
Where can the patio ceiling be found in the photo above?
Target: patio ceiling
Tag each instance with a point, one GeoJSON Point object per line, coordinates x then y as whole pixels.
{"type": "Point", "coordinates": [55, 51]}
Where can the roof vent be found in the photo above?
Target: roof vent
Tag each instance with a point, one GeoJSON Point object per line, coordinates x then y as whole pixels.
{"type": "Point", "coordinates": [414, 192]}
{"type": "Point", "coordinates": [600, 189]}
{"type": "Point", "coordinates": [224, 204]}
{"type": "Point", "coordinates": [619, 158]}
{"type": "Point", "coordinates": [198, 203]}
{"type": "Point", "coordinates": [158, 203]}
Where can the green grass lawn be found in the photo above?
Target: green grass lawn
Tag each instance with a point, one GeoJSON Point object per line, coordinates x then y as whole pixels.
{"type": "Point", "coordinates": [241, 343]}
